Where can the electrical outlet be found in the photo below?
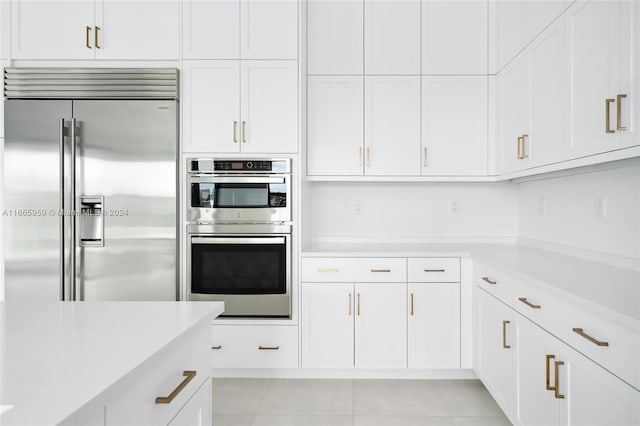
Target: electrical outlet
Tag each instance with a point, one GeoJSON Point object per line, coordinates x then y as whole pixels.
{"type": "Point", "coordinates": [600, 209]}
{"type": "Point", "coordinates": [542, 206]}
{"type": "Point", "coordinates": [357, 207]}
{"type": "Point", "coordinates": [455, 207]}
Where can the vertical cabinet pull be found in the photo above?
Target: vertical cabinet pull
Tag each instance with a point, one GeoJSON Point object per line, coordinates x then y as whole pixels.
{"type": "Point", "coordinates": [411, 304]}
{"type": "Point", "coordinates": [358, 303]}
{"type": "Point", "coordinates": [519, 147]}
{"type": "Point", "coordinates": [556, 389]}
{"type": "Point", "coordinates": [504, 335]}
{"type": "Point", "coordinates": [96, 37]}
{"type": "Point", "coordinates": [424, 163]}
{"type": "Point", "coordinates": [235, 132]}
{"type": "Point", "coordinates": [368, 157]}
{"type": "Point", "coordinates": [244, 129]}
{"type": "Point", "coordinates": [349, 304]}
{"type": "Point", "coordinates": [548, 368]}
{"type": "Point", "coordinates": [619, 112]}
{"type": "Point", "coordinates": [608, 116]}
{"type": "Point", "coordinates": [87, 35]}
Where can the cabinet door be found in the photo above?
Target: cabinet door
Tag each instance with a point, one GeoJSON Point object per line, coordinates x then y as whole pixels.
{"type": "Point", "coordinates": [536, 404]}
{"type": "Point", "coordinates": [335, 125]}
{"type": "Point", "coordinates": [454, 37]}
{"type": "Point", "coordinates": [454, 126]}
{"type": "Point", "coordinates": [269, 106]}
{"type": "Point", "coordinates": [512, 23]}
{"type": "Point", "coordinates": [593, 56]}
{"type": "Point", "coordinates": [197, 411]}
{"type": "Point", "coordinates": [592, 395]}
{"type": "Point", "coordinates": [392, 37]}
{"type": "Point", "coordinates": [381, 325]}
{"type": "Point", "coordinates": [513, 91]}
{"type": "Point", "coordinates": [52, 29]}
{"type": "Point", "coordinates": [495, 344]}
{"type": "Point", "coordinates": [327, 325]}
{"type": "Point", "coordinates": [269, 29]}
{"type": "Point", "coordinates": [335, 37]}
{"type": "Point", "coordinates": [211, 106]}
{"type": "Point", "coordinates": [138, 30]}
{"type": "Point", "coordinates": [630, 72]}
{"type": "Point", "coordinates": [545, 143]}
{"type": "Point", "coordinates": [211, 29]}
{"type": "Point", "coordinates": [434, 325]}
{"type": "Point", "coordinates": [392, 125]}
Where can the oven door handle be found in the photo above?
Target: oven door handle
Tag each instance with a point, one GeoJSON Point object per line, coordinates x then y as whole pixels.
{"type": "Point", "coordinates": [241, 240]}
{"type": "Point", "coordinates": [236, 179]}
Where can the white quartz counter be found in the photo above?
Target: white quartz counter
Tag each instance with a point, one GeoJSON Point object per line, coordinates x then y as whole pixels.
{"type": "Point", "coordinates": [614, 290]}
{"type": "Point", "coordinates": [58, 356]}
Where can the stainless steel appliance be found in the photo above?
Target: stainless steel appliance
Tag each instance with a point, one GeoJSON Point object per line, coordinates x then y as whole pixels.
{"type": "Point", "coordinates": [239, 235]}
{"type": "Point", "coordinates": [90, 184]}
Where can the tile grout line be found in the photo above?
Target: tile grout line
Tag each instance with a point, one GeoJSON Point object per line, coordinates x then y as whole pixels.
{"type": "Point", "coordinates": [266, 391]}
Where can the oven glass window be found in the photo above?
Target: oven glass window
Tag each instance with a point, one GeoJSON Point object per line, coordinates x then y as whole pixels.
{"type": "Point", "coordinates": [241, 268]}
{"type": "Point", "coordinates": [234, 195]}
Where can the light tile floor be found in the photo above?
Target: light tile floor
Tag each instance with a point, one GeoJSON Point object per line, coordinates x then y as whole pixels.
{"type": "Point", "coordinates": [329, 402]}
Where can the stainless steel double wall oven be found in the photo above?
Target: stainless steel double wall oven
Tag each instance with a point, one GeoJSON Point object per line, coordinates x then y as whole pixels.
{"type": "Point", "coordinates": [239, 235]}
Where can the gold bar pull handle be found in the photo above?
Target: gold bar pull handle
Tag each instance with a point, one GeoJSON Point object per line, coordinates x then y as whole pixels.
{"type": "Point", "coordinates": [548, 368]}
{"type": "Point", "coordinates": [381, 270]}
{"type": "Point", "coordinates": [368, 157]}
{"type": "Point", "coordinates": [504, 335]}
{"type": "Point", "coordinates": [189, 375]}
{"type": "Point", "coordinates": [524, 146]}
{"type": "Point", "coordinates": [529, 304]}
{"type": "Point", "coordinates": [216, 348]}
{"type": "Point", "coordinates": [350, 304]}
{"type": "Point", "coordinates": [487, 280]}
{"type": "Point", "coordinates": [268, 348]}
{"type": "Point", "coordinates": [608, 116]}
{"type": "Point", "coordinates": [235, 132]}
{"type": "Point", "coordinates": [619, 112]}
{"type": "Point", "coordinates": [580, 332]}
{"type": "Point", "coordinates": [411, 304]}
{"type": "Point", "coordinates": [87, 35]}
{"type": "Point", "coordinates": [556, 388]}
{"type": "Point", "coordinates": [520, 148]}
{"type": "Point", "coordinates": [358, 304]}
{"type": "Point", "coordinates": [434, 270]}
{"type": "Point", "coordinates": [96, 38]}
{"type": "Point", "coordinates": [327, 270]}
{"type": "Point", "coordinates": [244, 132]}
{"type": "Point", "coordinates": [424, 163]}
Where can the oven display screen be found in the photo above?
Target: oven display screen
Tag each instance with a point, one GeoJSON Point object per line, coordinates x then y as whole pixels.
{"type": "Point", "coordinates": [237, 166]}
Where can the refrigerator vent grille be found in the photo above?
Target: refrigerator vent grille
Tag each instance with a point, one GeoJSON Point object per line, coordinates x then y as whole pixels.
{"type": "Point", "coordinates": [91, 83]}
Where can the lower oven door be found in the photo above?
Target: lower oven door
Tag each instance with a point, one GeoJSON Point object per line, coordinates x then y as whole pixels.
{"type": "Point", "coordinates": [251, 274]}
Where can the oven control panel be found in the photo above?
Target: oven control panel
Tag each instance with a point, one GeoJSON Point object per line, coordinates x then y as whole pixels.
{"type": "Point", "coordinates": [210, 165]}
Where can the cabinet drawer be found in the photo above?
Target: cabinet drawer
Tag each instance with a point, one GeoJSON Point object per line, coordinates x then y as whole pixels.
{"type": "Point", "coordinates": [434, 270]}
{"type": "Point", "coordinates": [135, 402]}
{"type": "Point", "coordinates": [332, 269]}
{"type": "Point", "coordinates": [239, 346]}
{"type": "Point", "coordinates": [538, 305]}
{"type": "Point", "coordinates": [493, 281]}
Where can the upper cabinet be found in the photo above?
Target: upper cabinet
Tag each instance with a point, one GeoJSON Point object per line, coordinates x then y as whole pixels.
{"type": "Point", "coordinates": [454, 37]}
{"type": "Point", "coordinates": [104, 29]}
{"type": "Point", "coordinates": [392, 37]}
{"type": "Point", "coordinates": [5, 30]}
{"type": "Point", "coordinates": [235, 29]}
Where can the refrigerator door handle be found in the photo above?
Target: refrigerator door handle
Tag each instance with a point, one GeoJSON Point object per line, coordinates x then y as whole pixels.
{"type": "Point", "coordinates": [91, 221]}
{"type": "Point", "coordinates": [72, 172]}
{"type": "Point", "coordinates": [61, 216]}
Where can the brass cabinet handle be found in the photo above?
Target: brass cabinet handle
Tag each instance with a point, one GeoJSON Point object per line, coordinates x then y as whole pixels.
{"type": "Point", "coordinates": [360, 156]}
{"type": "Point", "coordinates": [520, 148]}
{"type": "Point", "coordinates": [434, 270]}
{"type": "Point", "coordinates": [268, 348]}
{"type": "Point", "coordinates": [215, 348]}
{"type": "Point", "coordinates": [381, 270]}
{"type": "Point", "coordinates": [548, 379]}
{"type": "Point", "coordinates": [96, 37]}
{"type": "Point", "coordinates": [487, 280]}
{"type": "Point", "coordinates": [235, 132]}
{"type": "Point", "coordinates": [87, 34]}
{"type": "Point", "coordinates": [424, 163]}
{"type": "Point", "coordinates": [556, 388]}
{"type": "Point", "coordinates": [368, 157]}
{"type": "Point", "coordinates": [524, 146]}
{"type": "Point", "coordinates": [349, 304]}
{"type": "Point", "coordinates": [411, 304]}
{"type": "Point", "coordinates": [327, 270]}
{"type": "Point", "coordinates": [504, 335]}
{"type": "Point", "coordinates": [608, 116]}
{"type": "Point", "coordinates": [358, 303]}
{"type": "Point", "coordinates": [189, 375]}
{"type": "Point", "coordinates": [619, 112]}
{"type": "Point", "coordinates": [529, 304]}
{"type": "Point", "coordinates": [244, 128]}
{"type": "Point", "coordinates": [581, 332]}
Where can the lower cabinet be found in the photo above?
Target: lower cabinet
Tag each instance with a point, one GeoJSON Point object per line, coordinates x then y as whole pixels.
{"type": "Point", "coordinates": [197, 411]}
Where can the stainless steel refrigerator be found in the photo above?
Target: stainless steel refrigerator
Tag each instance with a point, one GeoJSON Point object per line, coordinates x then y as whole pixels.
{"type": "Point", "coordinates": [90, 184]}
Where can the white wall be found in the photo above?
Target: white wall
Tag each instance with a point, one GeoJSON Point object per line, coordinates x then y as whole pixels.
{"type": "Point", "coordinates": [412, 211]}
{"type": "Point", "coordinates": [570, 218]}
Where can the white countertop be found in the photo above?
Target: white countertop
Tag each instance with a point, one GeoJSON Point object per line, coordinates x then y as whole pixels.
{"type": "Point", "coordinates": [614, 290]}
{"type": "Point", "coordinates": [58, 356]}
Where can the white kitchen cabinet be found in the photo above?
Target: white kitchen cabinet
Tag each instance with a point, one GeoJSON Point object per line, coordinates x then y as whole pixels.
{"type": "Point", "coordinates": [240, 106]}
{"type": "Point", "coordinates": [454, 37]}
{"type": "Point", "coordinates": [197, 411]}
{"type": "Point", "coordinates": [5, 30]}
{"type": "Point", "coordinates": [495, 345]}
{"type": "Point", "coordinates": [434, 325]}
{"type": "Point", "coordinates": [630, 72]}
{"type": "Point", "coordinates": [392, 37]}
{"type": "Point", "coordinates": [380, 325]}
{"type": "Point", "coordinates": [269, 29]}
{"type": "Point", "coordinates": [335, 37]}
{"type": "Point", "coordinates": [327, 312]}
{"type": "Point", "coordinates": [335, 125]}
{"type": "Point", "coordinates": [211, 29]}
{"type": "Point", "coordinates": [454, 126]}
{"type": "Point", "coordinates": [95, 30]}
{"type": "Point", "coordinates": [392, 125]}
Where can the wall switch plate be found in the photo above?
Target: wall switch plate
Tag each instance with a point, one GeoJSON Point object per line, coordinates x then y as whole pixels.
{"type": "Point", "coordinates": [357, 207]}
{"type": "Point", "coordinates": [455, 207]}
{"type": "Point", "coordinates": [600, 209]}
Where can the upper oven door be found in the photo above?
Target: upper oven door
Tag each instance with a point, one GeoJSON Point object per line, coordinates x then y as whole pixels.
{"type": "Point", "coordinates": [239, 199]}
